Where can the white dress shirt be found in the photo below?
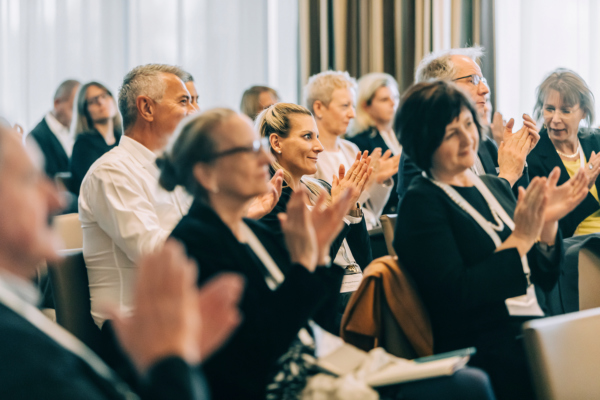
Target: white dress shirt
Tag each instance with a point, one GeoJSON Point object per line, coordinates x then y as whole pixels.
{"type": "Point", "coordinates": [374, 199]}
{"type": "Point", "coordinates": [124, 214]}
{"type": "Point", "coordinates": [61, 132]}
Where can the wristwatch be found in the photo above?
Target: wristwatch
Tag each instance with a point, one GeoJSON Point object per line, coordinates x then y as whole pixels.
{"type": "Point", "coordinates": [358, 213]}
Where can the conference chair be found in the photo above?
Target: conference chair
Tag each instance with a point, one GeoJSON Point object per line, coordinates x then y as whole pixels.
{"type": "Point", "coordinates": [388, 224]}
{"type": "Point", "coordinates": [69, 282]}
{"type": "Point", "coordinates": [69, 229]}
{"type": "Point", "coordinates": [564, 354]}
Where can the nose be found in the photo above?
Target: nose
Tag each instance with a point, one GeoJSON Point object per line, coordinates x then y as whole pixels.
{"type": "Point", "coordinates": [318, 146]}
{"type": "Point", "coordinates": [191, 109]}
{"type": "Point", "coordinates": [351, 113]}
{"type": "Point", "coordinates": [483, 88]}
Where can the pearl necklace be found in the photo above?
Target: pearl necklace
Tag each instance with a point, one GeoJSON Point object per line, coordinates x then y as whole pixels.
{"type": "Point", "coordinates": [576, 154]}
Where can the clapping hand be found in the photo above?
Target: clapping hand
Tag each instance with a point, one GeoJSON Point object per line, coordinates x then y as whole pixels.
{"type": "Point", "coordinates": [564, 198]}
{"type": "Point", "coordinates": [172, 317]}
{"type": "Point", "coordinates": [513, 151]}
{"type": "Point", "coordinates": [497, 127]}
{"type": "Point", "coordinates": [354, 180]}
{"type": "Point", "coordinates": [263, 204]}
{"type": "Point", "coordinates": [384, 166]}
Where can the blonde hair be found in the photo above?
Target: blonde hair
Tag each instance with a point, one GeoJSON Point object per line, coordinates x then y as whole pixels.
{"type": "Point", "coordinates": [250, 104]}
{"type": "Point", "coordinates": [82, 121]}
{"type": "Point", "coordinates": [321, 86]}
{"type": "Point", "coordinates": [367, 87]}
{"type": "Point", "coordinates": [277, 120]}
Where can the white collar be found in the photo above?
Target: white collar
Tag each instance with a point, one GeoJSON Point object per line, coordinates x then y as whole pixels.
{"type": "Point", "coordinates": [55, 126]}
{"type": "Point", "coordinates": [21, 287]}
{"type": "Point", "coordinates": [141, 153]}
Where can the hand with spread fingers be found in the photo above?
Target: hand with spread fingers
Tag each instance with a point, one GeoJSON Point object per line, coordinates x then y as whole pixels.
{"type": "Point", "coordinates": [264, 204]}
{"type": "Point", "coordinates": [497, 126]}
{"type": "Point", "coordinates": [299, 232]}
{"type": "Point", "coordinates": [328, 221]}
{"type": "Point", "coordinates": [170, 317]}
{"type": "Point", "coordinates": [592, 169]}
{"type": "Point", "coordinates": [355, 179]}
{"type": "Point", "coordinates": [564, 198]}
{"type": "Point", "coordinates": [384, 166]}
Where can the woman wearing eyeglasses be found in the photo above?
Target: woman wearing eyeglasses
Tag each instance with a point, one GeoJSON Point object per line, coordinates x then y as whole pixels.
{"type": "Point", "coordinates": [96, 128]}
{"type": "Point", "coordinates": [564, 100]}
{"type": "Point", "coordinates": [475, 253]}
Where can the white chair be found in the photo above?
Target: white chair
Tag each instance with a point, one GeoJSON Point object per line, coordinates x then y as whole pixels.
{"type": "Point", "coordinates": [564, 354]}
{"type": "Point", "coordinates": [69, 229]}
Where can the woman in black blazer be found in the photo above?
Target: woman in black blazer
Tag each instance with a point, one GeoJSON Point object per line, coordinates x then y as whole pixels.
{"type": "Point", "coordinates": [96, 128]}
{"type": "Point", "coordinates": [455, 234]}
{"type": "Point", "coordinates": [218, 158]}
{"type": "Point", "coordinates": [292, 135]}
{"type": "Point", "coordinates": [563, 101]}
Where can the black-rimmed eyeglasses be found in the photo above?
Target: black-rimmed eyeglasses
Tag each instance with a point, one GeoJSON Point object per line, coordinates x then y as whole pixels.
{"type": "Point", "coordinates": [254, 148]}
{"type": "Point", "coordinates": [475, 79]}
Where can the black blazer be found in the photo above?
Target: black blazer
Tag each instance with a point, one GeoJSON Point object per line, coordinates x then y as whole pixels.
{"type": "Point", "coordinates": [272, 319]}
{"type": "Point", "coordinates": [488, 154]}
{"type": "Point", "coordinates": [357, 235]}
{"type": "Point", "coordinates": [462, 279]}
{"type": "Point", "coordinates": [544, 158]}
{"type": "Point", "coordinates": [36, 367]}
{"type": "Point", "coordinates": [56, 159]}
{"type": "Point", "coordinates": [370, 139]}
{"type": "Point", "coordinates": [89, 146]}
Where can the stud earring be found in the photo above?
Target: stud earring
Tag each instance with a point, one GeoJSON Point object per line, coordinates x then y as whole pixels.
{"type": "Point", "coordinates": [279, 151]}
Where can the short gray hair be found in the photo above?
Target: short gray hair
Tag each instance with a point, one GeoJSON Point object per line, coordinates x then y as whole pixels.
{"type": "Point", "coordinates": [321, 86]}
{"type": "Point", "coordinates": [439, 65]}
{"type": "Point", "coordinates": [571, 87]}
{"type": "Point", "coordinates": [145, 80]}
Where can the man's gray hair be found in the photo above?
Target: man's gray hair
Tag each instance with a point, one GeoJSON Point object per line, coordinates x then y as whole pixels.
{"type": "Point", "coordinates": [65, 89]}
{"type": "Point", "coordinates": [439, 65]}
{"type": "Point", "coordinates": [145, 80]}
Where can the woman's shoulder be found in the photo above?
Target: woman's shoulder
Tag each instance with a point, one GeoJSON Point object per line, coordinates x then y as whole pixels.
{"type": "Point", "coordinates": [498, 186]}
{"type": "Point", "coordinates": [590, 134]}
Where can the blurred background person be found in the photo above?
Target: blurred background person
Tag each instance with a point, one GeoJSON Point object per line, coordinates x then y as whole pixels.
{"type": "Point", "coordinates": [188, 79]}
{"type": "Point", "coordinates": [330, 96]}
{"type": "Point", "coordinates": [372, 128]}
{"type": "Point", "coordinates": [52, 133]}
{"type": "Point", "coordinates": [96, 129]}
{"type": "Point", "coordinates": [257, 98]}
{"type": "Point", "coordinates": [564, 102]}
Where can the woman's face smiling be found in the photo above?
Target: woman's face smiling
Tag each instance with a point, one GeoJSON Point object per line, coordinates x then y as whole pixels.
{"type": "Point", "coordinates": [459, 146]}
{"type": "Point", "coordinates": [300, 150]}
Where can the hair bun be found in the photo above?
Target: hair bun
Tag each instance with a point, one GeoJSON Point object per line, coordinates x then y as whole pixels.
{"type": "Point", "coordinates": [168, 176]}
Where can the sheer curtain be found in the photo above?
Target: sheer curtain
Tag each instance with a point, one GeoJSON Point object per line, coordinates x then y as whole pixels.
{"type": "Point", "coordinates": [534, 37]}
{"type": "Point", "coordinates": [228, 45]}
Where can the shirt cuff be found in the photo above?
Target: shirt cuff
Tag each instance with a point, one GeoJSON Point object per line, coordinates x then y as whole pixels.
{"type": "Point", "coordinates": [352, 220]}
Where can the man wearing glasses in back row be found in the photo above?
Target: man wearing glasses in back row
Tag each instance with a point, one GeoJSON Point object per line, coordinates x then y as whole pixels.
{"type": "Point", "coordinates": [508, 162]}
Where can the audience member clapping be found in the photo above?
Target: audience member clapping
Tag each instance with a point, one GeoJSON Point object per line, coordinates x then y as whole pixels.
{"type": "Point", "coordinates": [563, 102]}
{"type": "Point", "coordinates": [474, 252]}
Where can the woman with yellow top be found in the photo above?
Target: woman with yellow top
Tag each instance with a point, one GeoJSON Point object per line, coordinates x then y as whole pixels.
{"type": "Point", "coordinates": [564, 100]}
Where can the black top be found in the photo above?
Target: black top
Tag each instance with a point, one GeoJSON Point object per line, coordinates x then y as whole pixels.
{"type": "Point", "coordinates": [271, 319]}
{"type": "Point", "coordinates": [36, 367]}
{"type": "Point", "coordinates": [544, 158]}
{"type": "Point", "coordinates": [370, 139]}
{"type": "Point", "coordinates": [356, 235]}
{"type": "Point", "coordinates": [89, 146]}
{"type": "Point", "coordinates": [487, 152]}
{"type": "Point", "coordinates": [462, 279]}
{"type": "Point", "coordinates": [56, 159]}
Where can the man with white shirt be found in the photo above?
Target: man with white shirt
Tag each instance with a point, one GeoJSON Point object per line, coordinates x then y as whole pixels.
{"type": "Point", "coordinates": [52, 133]}
{"type": "Point", "coordinates": [123, 210]}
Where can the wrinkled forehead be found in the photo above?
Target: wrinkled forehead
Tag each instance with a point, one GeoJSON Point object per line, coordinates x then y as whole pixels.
{"type": "Point", "coordinates": [465, 66]}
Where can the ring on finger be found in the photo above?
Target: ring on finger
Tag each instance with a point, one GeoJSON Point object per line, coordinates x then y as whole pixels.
{"type": "Point", "coordinates": [590, 166]}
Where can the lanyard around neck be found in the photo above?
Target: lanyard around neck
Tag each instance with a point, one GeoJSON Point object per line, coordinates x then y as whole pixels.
{"type": "Point", "coordinates": [275, 277]}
